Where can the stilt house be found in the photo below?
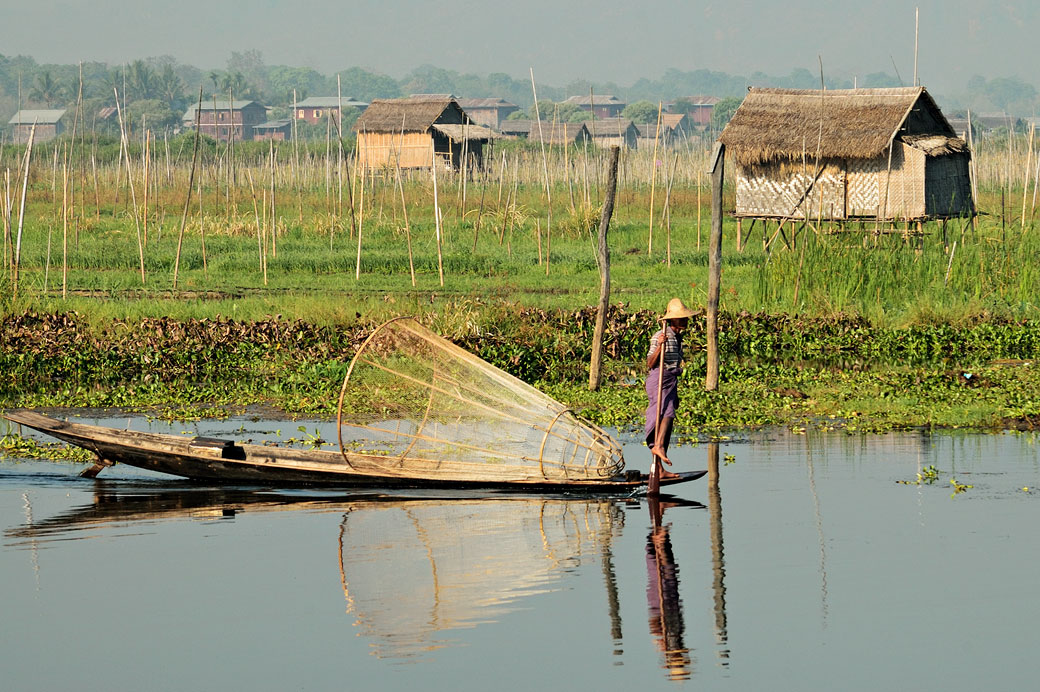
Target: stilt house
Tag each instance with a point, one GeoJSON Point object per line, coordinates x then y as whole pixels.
{"type": "Point", "coordinates": [886, 154]}
{"type": "Point", "coordinates": [411, 132]}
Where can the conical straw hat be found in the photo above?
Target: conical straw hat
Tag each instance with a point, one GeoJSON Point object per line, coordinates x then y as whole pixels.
{"type": "Point", "coordinates": [676, 310]}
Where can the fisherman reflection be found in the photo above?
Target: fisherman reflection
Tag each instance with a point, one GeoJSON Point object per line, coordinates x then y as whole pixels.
{"type": "Point", "coordinates": [662, 593]}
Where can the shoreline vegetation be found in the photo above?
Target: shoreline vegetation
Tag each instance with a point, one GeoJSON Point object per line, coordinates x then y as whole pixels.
{"type": "Point", "coordinates": [290, 256]}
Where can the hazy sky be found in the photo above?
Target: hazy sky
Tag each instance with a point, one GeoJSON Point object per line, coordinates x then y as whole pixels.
{"type": "Point", "coordinates": [561, 39]}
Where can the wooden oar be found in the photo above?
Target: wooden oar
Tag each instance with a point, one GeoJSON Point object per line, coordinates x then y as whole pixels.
{"type": "Point", "coordinates": [653, 486]}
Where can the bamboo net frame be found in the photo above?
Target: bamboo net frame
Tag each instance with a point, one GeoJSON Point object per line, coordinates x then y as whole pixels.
{"type": "Point", "coordinates": [433, 410]}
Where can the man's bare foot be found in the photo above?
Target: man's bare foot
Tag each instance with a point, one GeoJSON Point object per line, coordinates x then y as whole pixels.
{"type": "Point", "coordinates": [668, 474]}
{"type": "Point", "coordinates": [660, 454]}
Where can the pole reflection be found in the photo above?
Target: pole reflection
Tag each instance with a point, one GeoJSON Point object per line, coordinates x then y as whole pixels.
{"type": "Point", "coordinates": [718, 558]}
{"type": "Point", "coordinates": [664, 605]}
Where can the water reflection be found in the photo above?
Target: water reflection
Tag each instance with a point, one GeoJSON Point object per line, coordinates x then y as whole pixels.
{"type": "Point", "coordinates": [417, 570]}
{"type": "Point", "coordinates": [662, 594]}
{"type": "Point", "coordinates": [718, 555]}
{"type": "Point", "coordinates": [414, 571]}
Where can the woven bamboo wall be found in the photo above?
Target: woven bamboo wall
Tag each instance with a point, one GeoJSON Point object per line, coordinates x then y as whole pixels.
{"type": "Point", "coordinates": [777, 191]}
{"type": "Point", "coordinates": [379, 149]}
{"type": "Point", "coordinates": [903, 188]}
{"type": "Point", "coordinates": [859, 188]}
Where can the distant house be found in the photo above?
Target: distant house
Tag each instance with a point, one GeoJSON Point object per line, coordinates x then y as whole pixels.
{"type": "Point", "coordinates": [315, 109]}
{"type": "Point", "coordinates": [699, 109]}
{"type": "Point", "coordinates": [551, 133]}
{"type": "Point", "coordinates": [48, 125]}
{"type": "Point", "coordinates": [607, 132]}
{"type": "Point", "coordinates": [277, 130]}
{"type": "Point", "coordinates": [223, 119]}
{"type": "Point", "coordinates": [488, 112]}
{"type": "Point", "coordinates": [886, 154]}
{"type": "Point", "coordinates": [650, 133]}
{"type": "Point", "coordinates": [679, 124]}
{"type": "Point", "coordinates": [414, 132]}
{"type": "Point", "coordinates": [601, 106]}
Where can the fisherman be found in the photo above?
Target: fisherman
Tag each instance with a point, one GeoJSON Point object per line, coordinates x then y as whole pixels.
{"type": "Point", "coordinates": [662, 385]}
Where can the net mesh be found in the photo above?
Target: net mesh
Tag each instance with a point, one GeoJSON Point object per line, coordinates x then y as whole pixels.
{"type": "Point", "coordinates": [414, 404]}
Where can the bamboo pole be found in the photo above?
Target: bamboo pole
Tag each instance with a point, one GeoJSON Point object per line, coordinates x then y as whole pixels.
{"type": "Point", "coordinates": [21, 213]}
{"type": "Point", "coordinates": [130, 180]}
{"type": "Point", "coordinates": [667, 211]}
{"type": "Point", "coordinates": [603, 260]}
{"type": "Point", "coordinates": [404, 211]}
{"type": "Point", "coordinates": [65, 232]}
{"type": "Point", "coordinates": [545, 163]}
{"type": "Point", "coordinates": [339, 133]}
{"type": "Point", "coordinates": [361, 225]}
{"type": "Point", "coordinates": [653, 183]}
{"type": "Point", "coordinates": [187, 195]}
{"type": "Point", "coordinates": [436, 214]}
{"type": "Point", "coordinates": [8, 254]}
{"type": "Point", "coordinates": [717, 170]}
{"type": "Point", "coordinates": [1025, 177]}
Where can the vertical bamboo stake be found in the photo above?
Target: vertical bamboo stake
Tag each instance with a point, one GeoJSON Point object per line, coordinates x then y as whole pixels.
{"type": "Point", "coordinates": [147, 166]}
{"type": "Point", "coordinates": [717, 170]}
{"type": "Point", "coordinates": [187, 195]}
{"type": "Point", "coordinates": [653, 182]}
{"type": "Point", "coordinates": [699, 211]}
{"type": "Point", "coordinates": [339, 132]}
{"type": "Point", "coordinates": [65, 233]}
{"type": "Point", "coordinates": [130, 180]}
{"type": "Point", "coordinates": [328, 164]}
{"type": "Point", "coordinates": [21, 213]}
{"type": "Point", "coordinates": [603, 260]}
{"type": "Point", "coordinates": [668, 211]}
{"type": "Point", "coordinates": [1025, 178]}
{"type": "Point", "coordinates": [274, 209]}
{"type": "Point", "coordinates": [361, 225]}
{"type": "Point", "coordinates": [404, 211]}
{"type": "Point", "coordinates": [436, 214]}
{"type": "Point", "coordinates": [538, 238]}
{"type": "Point", "coordinates": [8, 255]}
{"type": "Point", "coordinates": [545, 163]}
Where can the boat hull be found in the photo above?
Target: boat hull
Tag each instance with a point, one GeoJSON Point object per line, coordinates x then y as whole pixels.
{"type": "Point", "coordinates": [215, 461]}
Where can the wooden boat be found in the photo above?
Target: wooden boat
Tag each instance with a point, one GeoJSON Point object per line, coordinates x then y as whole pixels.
{"type": "Point", "coordinates": [211, 459]}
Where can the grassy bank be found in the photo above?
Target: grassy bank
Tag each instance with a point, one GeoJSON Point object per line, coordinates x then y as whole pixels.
{"type": "Point", "coordinates": [863, 326]}
{"type": "Point", "coordinates": [777, 371]}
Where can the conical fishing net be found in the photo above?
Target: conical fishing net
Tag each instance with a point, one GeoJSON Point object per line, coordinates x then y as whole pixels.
{"type": "Point", "coordinates": [415, 405]}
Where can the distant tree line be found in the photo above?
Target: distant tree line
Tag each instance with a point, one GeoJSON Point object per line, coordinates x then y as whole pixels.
{"type": "Point", "coordinates": [158, 90]}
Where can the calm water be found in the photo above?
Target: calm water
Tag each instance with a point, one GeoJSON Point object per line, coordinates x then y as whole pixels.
{"type": "Point", "coordinates": [810, 567]}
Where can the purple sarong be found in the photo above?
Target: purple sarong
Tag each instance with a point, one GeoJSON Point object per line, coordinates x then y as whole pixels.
{"type": "Point", "coordinates": [669, 400]}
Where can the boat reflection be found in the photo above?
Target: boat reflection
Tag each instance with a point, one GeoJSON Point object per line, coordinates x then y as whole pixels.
{"type": "Point", "coordinates": [416, 568]}
{"type": "Point", "coordinates": [461, 563]}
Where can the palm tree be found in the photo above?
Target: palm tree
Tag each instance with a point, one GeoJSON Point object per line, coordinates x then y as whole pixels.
{"type": "Point", "coordinates": [141, 81]}
{"type": "Point", "coordinates": [46, 89]}
{"type": "Point", "coordinates": [169, 86]}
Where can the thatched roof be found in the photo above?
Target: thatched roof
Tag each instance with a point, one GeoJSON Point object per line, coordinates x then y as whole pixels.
{"type": "Point", "coordinates": [782, 124]}
{"type": "Point", "coordinates": [611, 127]}
{"type": "Point", "coordinates": [460, 133]}
{"type": "Point", "coordinates": [416, 114]}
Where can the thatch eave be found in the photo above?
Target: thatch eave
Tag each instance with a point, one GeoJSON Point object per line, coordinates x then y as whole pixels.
{"type": "Point", "coordinates": [774, 125]}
